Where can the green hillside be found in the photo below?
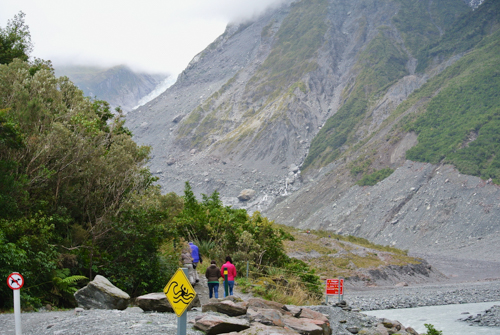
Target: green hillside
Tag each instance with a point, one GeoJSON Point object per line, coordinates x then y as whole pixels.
{"type": "Point", "coordinates": [460, 121]}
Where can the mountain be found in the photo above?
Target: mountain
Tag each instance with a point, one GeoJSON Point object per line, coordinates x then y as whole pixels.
{"type": "Point", "coordinates": [378, 119]}
{"type": "Point", "coordinates": [118, 85]}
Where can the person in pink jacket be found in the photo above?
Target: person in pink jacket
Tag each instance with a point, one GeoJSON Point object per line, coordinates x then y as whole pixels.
{"type": "Point", "coordinates": [231, 274]}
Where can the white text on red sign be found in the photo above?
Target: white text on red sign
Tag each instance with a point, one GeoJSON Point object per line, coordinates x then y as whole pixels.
{"type": "Point", "coordinates": [332, 286]}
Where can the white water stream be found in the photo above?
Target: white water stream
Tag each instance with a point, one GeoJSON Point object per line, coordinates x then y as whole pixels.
{"type": "Point", "coordinates": [443, 318]}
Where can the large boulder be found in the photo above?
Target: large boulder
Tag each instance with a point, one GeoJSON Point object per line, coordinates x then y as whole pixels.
{"type": "Point", "coordinates": [310, 314]}
{"type": "Point", "coordinates": [101, 294]}
{"type": "Point", "coordinates": [218, 324]}
{"type": "Point", "coordinates": [158, 302]}
{"type": "Point", "coordinates": [256, 303]}
{"type": "Point", "coordinates": [269, 317]}
{"type": "Point", "coordinates": [307, 326]}
{"type": "Point", "coordinates": [246, 194]}
{"type": "Point", "coordinates": [225, 307]}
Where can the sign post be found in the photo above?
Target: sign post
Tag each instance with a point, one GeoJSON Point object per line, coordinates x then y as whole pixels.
{"type": "Point", "coordinates": [15, 281]}
{"type": "Point", "coordinates": [180, 294]}
{"type": "Point", "coordinates": [226, 283]}
{"type": "Point", "coordinates": [335, 287]}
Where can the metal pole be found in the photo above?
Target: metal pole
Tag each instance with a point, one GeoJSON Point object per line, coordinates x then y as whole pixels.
{"type": "Point", "coordinates": [247, 270]}
{"type": "Point", "coordinates": [17, 311]}
{"type": "Point", "coordinates": [341, 285]}
{"type": "Point", "coordinates": [226, 284]}
{"type": "Point", "coordinates": [182, 320]}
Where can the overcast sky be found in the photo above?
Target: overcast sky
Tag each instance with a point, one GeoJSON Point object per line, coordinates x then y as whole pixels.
{"type": "Point", "coordinates": [154, 36]}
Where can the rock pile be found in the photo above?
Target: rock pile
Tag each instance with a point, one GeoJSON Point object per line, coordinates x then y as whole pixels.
{"type": "Point", "coordinates": [258, 316]}
{"type": "Point", "coordinates": [490, 318]}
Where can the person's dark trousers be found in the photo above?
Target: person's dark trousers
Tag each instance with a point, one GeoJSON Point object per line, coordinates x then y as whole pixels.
{"type": "Point", "coordinates": [213, 289]}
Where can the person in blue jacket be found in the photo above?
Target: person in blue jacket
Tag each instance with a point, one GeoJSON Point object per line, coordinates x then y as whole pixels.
{"type": "Point", "coordinates": [195, 253]}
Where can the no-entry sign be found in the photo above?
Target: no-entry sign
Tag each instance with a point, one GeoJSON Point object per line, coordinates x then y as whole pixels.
{"type": "Point", "coordinates": [15, 281]}
{"type": "Point", "coordinates": [334, 286]}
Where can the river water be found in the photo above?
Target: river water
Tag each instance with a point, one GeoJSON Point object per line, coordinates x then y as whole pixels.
{"type": "Point", "coordinates": [443, 318]}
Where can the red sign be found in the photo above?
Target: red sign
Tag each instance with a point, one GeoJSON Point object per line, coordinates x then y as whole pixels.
{"type": "Point", "coordinates": [15, 281]}
{"type": "Point", "coordinates": [333, 286]}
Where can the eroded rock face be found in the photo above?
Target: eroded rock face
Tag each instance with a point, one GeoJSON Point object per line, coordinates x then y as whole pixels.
{"type": "Point", "coordinates": [101, 294]}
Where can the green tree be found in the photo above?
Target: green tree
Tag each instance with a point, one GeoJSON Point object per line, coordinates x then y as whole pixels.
{"type": "Point", "coordinates": [66, 161]}
{"type": "Point", "coordinates": [15, 40]}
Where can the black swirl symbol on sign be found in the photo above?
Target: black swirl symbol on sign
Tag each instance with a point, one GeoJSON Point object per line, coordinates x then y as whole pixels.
{"type": "Point", "coordinates": [180, 295]}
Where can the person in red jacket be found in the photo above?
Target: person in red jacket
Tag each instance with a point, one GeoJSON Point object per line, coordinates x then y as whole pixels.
{"type": "Point", "coordinates": [231, 274]}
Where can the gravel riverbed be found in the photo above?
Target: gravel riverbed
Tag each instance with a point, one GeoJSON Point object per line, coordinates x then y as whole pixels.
{"type": "Point", "coordinates": [428, 295]}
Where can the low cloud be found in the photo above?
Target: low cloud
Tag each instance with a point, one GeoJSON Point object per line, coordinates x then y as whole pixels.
{"type": "Point", "coordinates": [152, 36]}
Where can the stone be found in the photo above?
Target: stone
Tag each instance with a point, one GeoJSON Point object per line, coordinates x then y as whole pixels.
{"type": "Point", "coordinates": [401, 284]}
{"type": "Point", "coordinates": [246, 194]}
{"type": "Point", "coordinates": [158, 302]}
{"type": "Point", "coordinates": [257, 303]}
{"type": "Point", "coordinates": [101, 294]}
{"type": "Point", "coordinates": [215, 324]}
{"type": "Point", "coordinates": [258, 328]}
{"type": "Point", "coordinates": [294, 310]}
{"type": "Point", "coordinates": [310, 314]}
{"type": "Point", "coordinates": [352, 329]}
{"type": "Point", "coordinates": [411, 331]}
{"type": "Point", "coordinates": [303, 326]}
{"type": "Point", "coordinates": [225, 307]}
{"type": "Point", "coordinates": [233, 298]}
{"type": "Point", "coordinates": [269, 317]}
{"type": "Point", "coordinates": [373, 331]}
{"type": "Point", "coordinates": [170, 161]}
{"type": "Point", "coordinates": [177, 118]}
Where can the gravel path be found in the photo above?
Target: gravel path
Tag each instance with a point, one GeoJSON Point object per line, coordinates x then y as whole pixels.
{"type": "Point", "coordinates": [109, 322]}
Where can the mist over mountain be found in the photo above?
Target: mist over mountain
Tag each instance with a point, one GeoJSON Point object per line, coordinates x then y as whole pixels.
{"type": "Point", "coordinates": [378, 119]}
{"type": "Point", "coordinates": [118, 85]}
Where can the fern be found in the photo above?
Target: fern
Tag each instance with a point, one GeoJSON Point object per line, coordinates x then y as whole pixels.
{"type": "Point", "coordinates": [72, 279]}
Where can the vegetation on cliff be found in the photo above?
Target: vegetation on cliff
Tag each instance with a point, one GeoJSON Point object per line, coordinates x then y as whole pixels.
{"type": "Point", "coordinates": [457, 119]}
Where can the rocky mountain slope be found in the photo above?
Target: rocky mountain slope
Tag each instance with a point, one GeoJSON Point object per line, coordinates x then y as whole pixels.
{"type": "Point", "coordinates": [312, 103]}
{"type": "Point", "coordinates": [118, 85]}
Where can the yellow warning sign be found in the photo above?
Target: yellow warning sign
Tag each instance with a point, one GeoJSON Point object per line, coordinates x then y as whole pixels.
{"type": "Point", "coordinates": [179, 292]}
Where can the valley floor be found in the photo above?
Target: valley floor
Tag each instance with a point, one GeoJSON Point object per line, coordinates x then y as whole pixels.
{"type": "Point", "coordinates": [134, 321]}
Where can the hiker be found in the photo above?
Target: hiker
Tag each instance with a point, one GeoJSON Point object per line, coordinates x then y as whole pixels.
{"type": "Point", "coordinates": [213, 275]}
{"type": "Point", "coordinates": [231, 274]}
{"type": "Point", "coordinates": [195, 253]}
{"type": "Point", "coordinates": [187, 262]}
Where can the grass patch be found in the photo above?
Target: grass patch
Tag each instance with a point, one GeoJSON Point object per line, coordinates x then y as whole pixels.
{"type": "Point", "coordinates": [375, 177]}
